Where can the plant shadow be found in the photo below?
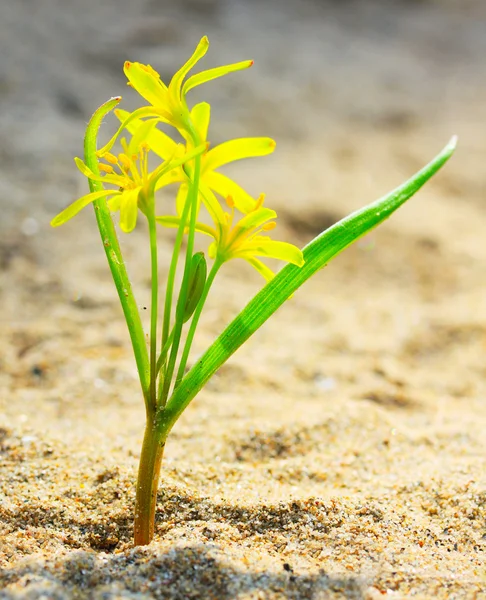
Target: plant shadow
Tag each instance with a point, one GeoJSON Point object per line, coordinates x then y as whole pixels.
{"type": "Point", "coordinates": [194, 571]}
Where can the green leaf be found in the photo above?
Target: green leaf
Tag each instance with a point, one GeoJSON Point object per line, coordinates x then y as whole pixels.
{"type": "Point", "coordinates": [317, 254]}
{"type": "Point", "coordinates": [112, 248]}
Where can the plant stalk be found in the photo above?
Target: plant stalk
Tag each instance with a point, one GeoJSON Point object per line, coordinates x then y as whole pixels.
{"type": "Point", "coordinates": [147, 484]}
{"type": "Point", "coordinates": [153, 311]}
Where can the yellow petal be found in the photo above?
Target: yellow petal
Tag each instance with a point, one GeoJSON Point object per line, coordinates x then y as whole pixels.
{"type": "Point", "coordinates": [115, 202]}
{"type": "Point", "coordinates": [262, 246]}
{"type": "Point", "coordinates": [129, 209]}
{"type": "Point", "coordinates": [140, 136]}
{"type": "Point", "coordinates": [174, 176]}
{"type": "Point", "coordinates": [146, 81]}
{"type": "Point", "coordinates": [85, 170]}
{"type": "Point", "coordinates": [78, 205]}
{"type": "Point", "coordinates": [224, 186]}
{"type": "Point", "coordinates": [206, 229]}
{"type": "Point", "coordinates": [122, 115]}
{"type": "Point", "coordinates": [167, 221]}
{"type": "Point", "coordinates": [200, 115]}
{"type": "Point", "coordinates": [213, 250]}
{"type": "Point", "coordinates": [212, 205]}
{"type": "Point", "coordinates": [261, 268]}
{"type": "Point", "coordinates": [163, 145]}
{"type": "Point", "coordinates": [146, 111]}
{"type": "Point", "coordinates": [211, 74]}
{"type": "Point", "coordinates": [176, 81]}
{"type": "Point", "coordinates": [236, 150]}
{"type": "Point", "coordinates": [254, 220]}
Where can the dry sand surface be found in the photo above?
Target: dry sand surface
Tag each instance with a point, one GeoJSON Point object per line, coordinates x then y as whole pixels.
{"type": "Point", "coordinates": [341, 452]}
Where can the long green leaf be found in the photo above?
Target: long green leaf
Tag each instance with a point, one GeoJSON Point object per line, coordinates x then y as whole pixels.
{"type": "Point", "coordinates": [317, 254]}
{"type": "Point", "coordinates": [112, 249]}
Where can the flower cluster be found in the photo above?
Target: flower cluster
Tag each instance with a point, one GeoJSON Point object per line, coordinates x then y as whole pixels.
{"type": "Point", "coordinates": [134, 185]}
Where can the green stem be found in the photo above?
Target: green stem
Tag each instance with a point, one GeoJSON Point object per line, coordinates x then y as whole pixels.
{"type": "Point", "coordinates": [181, 301]}
{"type": "Point", "coordinates": [172, 273]}
{"type": "Point", "coordinates": [113, 252]}
{"type": "Point", "coordinates": [153, 310]}
{"type": "Point", "coordinates": [147, 484]}
{"type": "Point", "coordinates": [195, 321]}
{"type": "Point", "coordinates": [163, 353]}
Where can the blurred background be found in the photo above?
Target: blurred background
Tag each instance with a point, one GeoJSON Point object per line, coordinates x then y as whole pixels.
{"type": "Point", "coordinates": [359, 94]}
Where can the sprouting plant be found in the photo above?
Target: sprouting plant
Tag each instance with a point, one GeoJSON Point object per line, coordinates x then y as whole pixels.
{"type": "Point", "coordinates": [239, 229]}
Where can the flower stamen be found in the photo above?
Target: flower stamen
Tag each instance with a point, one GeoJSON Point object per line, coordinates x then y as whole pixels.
{"type": "Point", "coordinates": [111, 158]}
{"type": "Point", "coordinates": [125, 162]}
{"type": "Point", "coordinates": [259, 202]}
{"type": "Point", "coordinates": [269, 226]}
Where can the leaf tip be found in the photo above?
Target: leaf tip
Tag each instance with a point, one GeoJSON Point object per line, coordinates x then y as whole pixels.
{"type": "Point", "coordinates": [452, 145]}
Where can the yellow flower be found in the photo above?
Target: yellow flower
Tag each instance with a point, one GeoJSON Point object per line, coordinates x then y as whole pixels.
{"type": "Point", "coordinates": [134, 183]}
{"type": "Point", "coordinates": [244, 239]}
{"type": "Point", "coordinates": [210, 179]}
{"type": "Point", "coordinates": [168, 103]}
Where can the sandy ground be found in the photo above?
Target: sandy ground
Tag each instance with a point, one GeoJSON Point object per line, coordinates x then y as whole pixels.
{"type": "Point", "coordinates": [341, 452]}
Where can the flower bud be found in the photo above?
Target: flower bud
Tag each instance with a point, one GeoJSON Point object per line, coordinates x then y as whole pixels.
{"type": "Point", "coordinates": [197, 280]}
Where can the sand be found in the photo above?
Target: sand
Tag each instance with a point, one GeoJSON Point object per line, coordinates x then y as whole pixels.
{"type": "Point", "coordinates": [341, 452]}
